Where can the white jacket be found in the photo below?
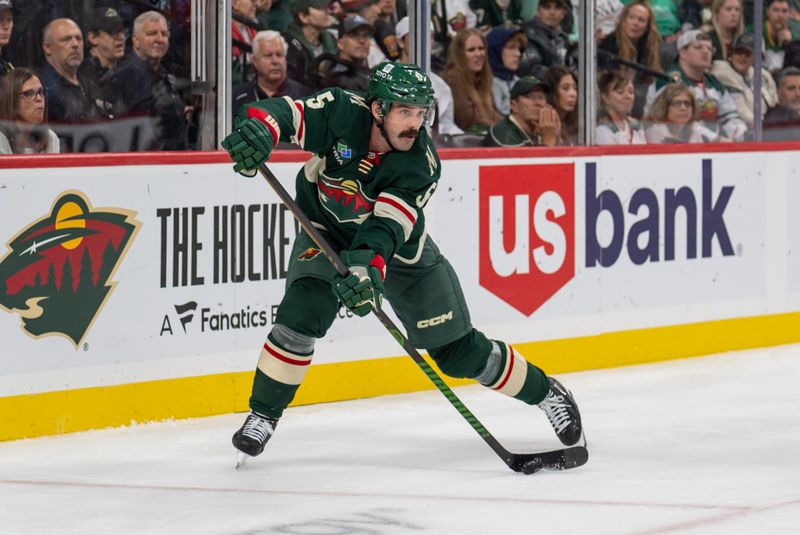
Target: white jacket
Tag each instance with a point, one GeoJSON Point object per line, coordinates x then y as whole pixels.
{"type": "Point", "coordinates": [741, 89]}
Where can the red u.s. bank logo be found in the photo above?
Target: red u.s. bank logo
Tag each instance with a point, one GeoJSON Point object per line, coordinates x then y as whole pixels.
{"type": "Point", "coordinates": [527, 232]}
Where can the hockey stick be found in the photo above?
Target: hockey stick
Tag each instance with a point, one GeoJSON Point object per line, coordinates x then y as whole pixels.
{"type": "Point", "coordinates": [526, 463]}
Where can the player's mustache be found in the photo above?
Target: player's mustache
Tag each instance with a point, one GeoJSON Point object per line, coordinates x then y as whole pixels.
{"type": "Point", "coordinates": [409, 133]}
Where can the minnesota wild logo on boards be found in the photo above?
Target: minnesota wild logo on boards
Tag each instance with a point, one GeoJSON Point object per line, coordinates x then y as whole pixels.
{"type": "Point", "coordinates": [56, 273]}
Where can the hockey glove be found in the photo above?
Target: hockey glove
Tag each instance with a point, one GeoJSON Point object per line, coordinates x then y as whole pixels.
{"type": "Point", "coordinates": [249, 145]}
{"type": "Point", "coordinates": [362, 290]}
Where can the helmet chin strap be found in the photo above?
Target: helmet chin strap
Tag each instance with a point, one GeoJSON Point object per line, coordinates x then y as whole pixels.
{"type": "Point", "coordinates": [384, 134]}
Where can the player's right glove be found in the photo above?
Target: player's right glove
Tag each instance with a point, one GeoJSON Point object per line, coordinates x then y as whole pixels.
{"type": "Point", "coordinates": [362, 290]}
{"type": "Point", "coordinates": [249, 145]}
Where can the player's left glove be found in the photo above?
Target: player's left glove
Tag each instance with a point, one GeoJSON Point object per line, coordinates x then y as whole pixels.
{"type": "Point", "coordinates": [362, 290]}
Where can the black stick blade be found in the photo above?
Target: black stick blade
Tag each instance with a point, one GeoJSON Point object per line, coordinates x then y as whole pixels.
{"type": "Point", "coordinates": [564, 459]}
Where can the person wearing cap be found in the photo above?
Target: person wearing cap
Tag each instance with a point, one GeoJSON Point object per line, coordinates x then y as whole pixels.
{"type": "Point", "coordinates": [547, 42]}
{"type": "Point", "coordinates": [716, 106]}
{"type": "Point", "coordinates": [738, 75]}
{"type": "Point", "coordinates": [504, 48]}
{"type": "Point", "coordinates": [69, 97]}
{"type": "Point", "coordinates": [782, 123]}
{"type": "Point", "coordinates": [384, 25]}
{"type": "Point", "coordinates": [348, 69]}
{"type": "Point", "coordinates": [532, 121]}
{"type": "Point", "coordinates": [369, 10]}
{"type": "Point", "coordinates": [142, 85]}
{"type": "Point", "coordinates": [105, 33]}
{"type": "Point", "coordinates": [444, 123]}
{"type": "Point", "coordinates": [269, 63]}
{"type": "Point", "coordinates": [6, 27]}
{"type": "Point", "coordinates": [308, 37]}
{"type": "Point", "coordinates": [492, 13]}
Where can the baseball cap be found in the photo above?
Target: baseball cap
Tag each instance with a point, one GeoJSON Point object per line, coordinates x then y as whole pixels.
{"type": "Point", "coordinates": [744, 41]}
{"type": "Point", "coordinates": [6, 4]}
{"type": "Point", "coordinates": [106, 19]}
{"type": "Point", "coordinates": [352, 23]}
{"type": "Point", "coordinates": [687, 38]}
{"type": "Point", "coordinates": [525, 85]}
{"type": "Point", "coordinates": [351, 6]}
{"type": "Point", "coordinates": [401, 29]}
{"type": "Point", "coordinates": [296, 6]}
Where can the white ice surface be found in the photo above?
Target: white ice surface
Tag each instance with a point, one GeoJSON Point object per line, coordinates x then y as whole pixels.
{"type": "Point", "coordinates": [700, 446]}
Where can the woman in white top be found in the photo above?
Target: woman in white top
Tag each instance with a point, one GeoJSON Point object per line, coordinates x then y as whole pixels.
{"type": "Point", "coordinates": [673, 117]}
{"type": "Point", "coordinates": [22, 114]}
{"type": "Point", "coordinates": [615, 126]}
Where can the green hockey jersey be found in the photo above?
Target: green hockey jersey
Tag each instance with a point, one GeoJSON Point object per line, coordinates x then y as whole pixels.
{"type": "Point", "coordinates": [361, 198]}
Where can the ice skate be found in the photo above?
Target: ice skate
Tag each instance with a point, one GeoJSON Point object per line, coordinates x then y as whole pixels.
{"type": "Point", "coordinates": [251, 438]}
{"type": "Point", "coordinates": [562, 411]}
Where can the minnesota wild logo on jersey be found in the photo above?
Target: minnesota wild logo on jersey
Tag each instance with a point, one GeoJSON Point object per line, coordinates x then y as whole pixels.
{"type": "Point", "coordinates": [344, 199]}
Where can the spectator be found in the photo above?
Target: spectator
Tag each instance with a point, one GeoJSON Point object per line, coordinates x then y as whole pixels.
{"type": "Point", "coordinates": [777, 33]}
{"type": "Point", "coordinates": [385, 29]}
{"type": "Point", "coordinates": [263, 7]}
{"type": "Point", "coordinates": [491, 13]}
{"type": "Point", "coordinates": [716, 107]}
{"type": "Point", "coordinates": [606, 16]}
{"type": "Point", "coordinates": [7, 11]}
{"type": "Point", "coordinates": [782, 123]}
{"type": "Point", "coordinates": [727, 23]}
{"type": "Point", "coordinates": [106, 36]}
{"type": "Point", "coordinates": [444, 121]}
{"type": "Point", "coordinates": [668, 22]}
{"type": "Point", "coordinates": [791, 57]}
{"type": "Point", "coordinates": [547, 43]}
{"type": "Point", "coordinates": [144, 87]}
{"type": "Point", "coordinates": [505, 47]}
{"type": "Point", "coordinates": [269, 62]}
{"type": "Point", "coordinates": [616, 126]}
{"type": "Point", "coordinates": [737, 73]}
{"type": "Point", "coordinates": [532, 121]}
{"type": "Point", "coordinates": [23, 110]}
{"type": "Point", "coordinates": [278, 17]}
{"type": "Point", "coordinates": [350, 70]}
{"type": "Point", "coordinates": [369, 11]}
{"type": "Point", "coordinates": [307, 38]}
{"type": "Point", "coordinates": [563, 97]}
{"type": "Point", "coordinates": [469, 77]}
{"type": "Point", "coordinates": [672, 118]}
{"type": "Point", "coordinates": [635, 39]}
{"type": "Point", "coordinates": [69, 98]}
{"type": "Point", "coordinates": [242, 34]}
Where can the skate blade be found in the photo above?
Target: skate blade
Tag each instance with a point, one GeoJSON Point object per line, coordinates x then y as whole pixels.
{"type": "Point", "coordinates": [241, 459]}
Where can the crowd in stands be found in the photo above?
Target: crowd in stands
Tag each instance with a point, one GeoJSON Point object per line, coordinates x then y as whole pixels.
{"type": "Point", "coordinates": [504, 71]}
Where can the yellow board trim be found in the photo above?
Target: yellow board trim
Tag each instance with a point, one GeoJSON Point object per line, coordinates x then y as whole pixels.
{"type": "Point", "coordinates": [68, 411]}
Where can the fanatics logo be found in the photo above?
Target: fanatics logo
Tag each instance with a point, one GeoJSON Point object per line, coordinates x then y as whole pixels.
{"type": "Point", "coordinates": [57, 273]}
{"type": "Point", "coordinates": [527, 232]}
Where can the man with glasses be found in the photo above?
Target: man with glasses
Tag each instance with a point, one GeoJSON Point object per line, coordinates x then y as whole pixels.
{"type": "Point", "coordinates": [532, 121]}
{"type": "Point", "coordinates": [716, 107]}
{"type": "Point", "coordinates": [350, 70]}
{"type": "Point", "coordinates": [105, 33]}
{"type": "Point", "coordinates": [6, 26]}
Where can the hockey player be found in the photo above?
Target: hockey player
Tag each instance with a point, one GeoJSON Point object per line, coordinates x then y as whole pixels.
{"type": "Point", "coordinates": [372, 171]}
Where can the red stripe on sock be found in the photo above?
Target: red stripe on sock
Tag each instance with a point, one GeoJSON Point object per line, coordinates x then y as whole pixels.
{"type": "Point", "coordinates": [286, 359]}
{"type": "Point", "coordinates": [510, 356]}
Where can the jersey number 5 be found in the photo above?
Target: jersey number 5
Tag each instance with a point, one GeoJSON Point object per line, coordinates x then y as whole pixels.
{"type": "Point", "coordinates": [320, 100]}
